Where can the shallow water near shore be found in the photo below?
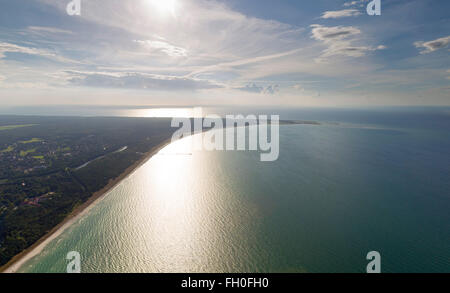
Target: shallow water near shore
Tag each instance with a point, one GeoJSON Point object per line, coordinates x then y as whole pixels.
{"type": "Point", "coordinates": [335, 194]}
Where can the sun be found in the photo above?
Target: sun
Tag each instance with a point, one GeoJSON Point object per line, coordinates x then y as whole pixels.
{"type": "Point", "coordinates": [164, 7]}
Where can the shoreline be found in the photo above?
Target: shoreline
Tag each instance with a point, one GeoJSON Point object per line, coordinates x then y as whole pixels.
{"type": "Point", "coordinates": [19, 259]}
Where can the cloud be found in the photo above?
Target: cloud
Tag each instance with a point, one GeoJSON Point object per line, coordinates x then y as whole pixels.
{"type": "Point", "coordinates": [206, 44]}
{"type": "Point", "coordinates": [135, 80]}
{"type": "Point", "coordinates": [208, 31]}
{"type": "Point", "coordinates": [359, 3]}
{"type": "Point", "coordinates": [253, 88]}
{"type": "Point", "coordinates": [340, 41]}
{"type": "Point", "coordinates": [432, 46]}
{"type": "Point", "coordinates": [272, 89]}
{"type": "Point", "coordinates": [162, 46]}
{"type": "Point", "coordinates": [340, 13]}
{"type": "Point", "coordinates": [348, 50]}
{"type": "Point", "coordinates": [47, 29]}
{"type": "Point", "coordinates": [12, 48]}
{"type": "Point", "coordinates": [25, 85]}
{"type": "Point", "coordinates": [351, 3]}
{"type": "Point", "coordinates": [326, 34]}
{"type": "Point", "coordinates": [205, 39]}
{"type": "Point", "coordinates": [243, 62]}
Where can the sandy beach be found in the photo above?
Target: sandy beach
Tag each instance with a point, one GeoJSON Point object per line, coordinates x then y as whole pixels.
{"type": "Point", "coordinates": [17, 261]}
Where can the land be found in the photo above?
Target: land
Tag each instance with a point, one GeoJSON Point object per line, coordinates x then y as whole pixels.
{"type": "Point", "coordinates": [19, 259]}
{"type": "Point", "coordinates": [54, 168]}
{"type": "Point", "coordinates": [9, 127]}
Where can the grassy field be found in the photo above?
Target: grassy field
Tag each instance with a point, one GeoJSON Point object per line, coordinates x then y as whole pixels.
{"type": "Point", "coordinates": [7, 150]}
{"type": "Point", "coordinates": [31, 140]}
{"type": "Point", "coordinates": [24, 153]}
{"type": "Point", "coordinates": [9, 127]}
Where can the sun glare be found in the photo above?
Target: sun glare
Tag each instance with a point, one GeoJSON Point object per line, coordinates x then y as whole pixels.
{"type": "Point", "coordinates": [164, 7]}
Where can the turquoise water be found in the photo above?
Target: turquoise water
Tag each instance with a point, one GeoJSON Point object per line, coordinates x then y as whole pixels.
{"type": "Point", "coordinates": [336, 193]}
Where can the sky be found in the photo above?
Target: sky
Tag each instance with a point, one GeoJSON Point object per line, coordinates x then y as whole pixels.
{"type": "Point", "coordinates": [235, 52]}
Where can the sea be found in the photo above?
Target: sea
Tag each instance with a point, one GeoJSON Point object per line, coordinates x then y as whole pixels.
{"type": "Point", "coordinates": [373, 179]}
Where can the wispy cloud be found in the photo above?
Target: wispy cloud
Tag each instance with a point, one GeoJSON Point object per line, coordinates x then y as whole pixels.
{"type": "Point", "coordinates": [359, 3]}
{"type": "Point", "coordinates": [340, 41]}
{"type": "Point", "coordinates": [208, 39]}
{"type": "Point", "coordinates": [350, 3]}
{"type": "Point", "coordinates": [431, 46]}
{"type": "Point", "coordinates": [45, 53]}
{"type": "Point", "coordinates": [47, 29]}
{"type": "Point", "coordinates": [163, 46]}
{"type": "Point", "coordinates": [253, 88]}
{"type": "Point", "coordinates": [298, 87]}
{"type": "Point", "coordinates": [136, 80]}
{"type": "Point", "coordinates": [226, 66]}
{"type": "Point", "coordinates": [340, 13]}
{"type": "Point", "coordinates": [13, 48]}
{"type": "Point", "coordinates": [327, 34]}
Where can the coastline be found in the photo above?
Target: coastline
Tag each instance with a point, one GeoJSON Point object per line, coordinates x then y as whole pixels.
{"type": "Point", "coordinates": [18, 260]}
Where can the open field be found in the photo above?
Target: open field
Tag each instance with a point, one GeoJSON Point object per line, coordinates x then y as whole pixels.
{"type": "Point", "coordinates": [9, 127]}
{"type": "Point", "coordinates": [31, 140]}
{"type": "Point", "coordinates": [8, 149]}
{"type": "Point", "coordinates": [25, 153]}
